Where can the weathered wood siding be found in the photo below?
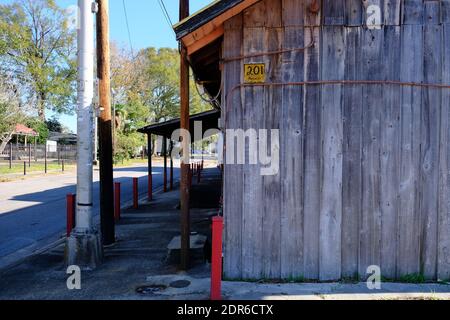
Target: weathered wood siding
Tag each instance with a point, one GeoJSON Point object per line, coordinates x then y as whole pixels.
{"type": "Point", "coordinates": [364, 168]}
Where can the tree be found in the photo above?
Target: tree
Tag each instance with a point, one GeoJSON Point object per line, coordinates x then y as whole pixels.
{"type": "Point", "coordinates": [53, 125]}
{"type": "Point", "coordinates": [11, 112]}
{"type": "Point", "coordinates": [145, 90]}
{"type": "Point", "coordinates": [40, 127]}
{"type": "Point", "coordinates": [38, 48]}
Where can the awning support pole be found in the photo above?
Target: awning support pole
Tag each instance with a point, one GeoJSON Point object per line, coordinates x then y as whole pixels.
{"type": "Point", "coordinates": [184, 117]}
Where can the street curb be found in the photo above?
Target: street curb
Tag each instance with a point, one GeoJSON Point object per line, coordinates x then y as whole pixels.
{"type": "Point", "coordinates": [7, 266]}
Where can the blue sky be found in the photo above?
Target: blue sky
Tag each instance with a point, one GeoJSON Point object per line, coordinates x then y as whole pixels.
{"type": "Point", "coordinates": [148, 27]}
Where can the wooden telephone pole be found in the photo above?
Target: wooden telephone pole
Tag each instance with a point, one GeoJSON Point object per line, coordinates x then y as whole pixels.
{"type": "Point", "coordinates": [105, 125]}
{"type": "Point", "coordinates": [184, 105]}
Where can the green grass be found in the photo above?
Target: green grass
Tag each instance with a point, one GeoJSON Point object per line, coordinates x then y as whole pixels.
{"type": "Point", "coordinates": [412, 278]}
{"type": "Point", "coordinates": [130, 162]}
{"type": "Point", "coordinates": [35, 167]}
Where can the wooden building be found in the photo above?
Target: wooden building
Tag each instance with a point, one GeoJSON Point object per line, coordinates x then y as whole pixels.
{"type": "Point", "coordinates": [359, 90]}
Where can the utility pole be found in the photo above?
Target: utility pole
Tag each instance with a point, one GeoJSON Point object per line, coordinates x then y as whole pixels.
{"type": "Point", "coordinates": [105, 125]}
{"type": "Point", "coordinates": [83, 246]}
{"type": "Point", "coordinates": [185, 143]}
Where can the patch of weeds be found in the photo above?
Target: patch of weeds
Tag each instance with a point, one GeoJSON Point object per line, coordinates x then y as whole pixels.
{"type": "Point", "coordinates": [299, 279]}
{"type": "Point", "coordinates": [353, 279]}
{"type": "Point", "coordinates": [412, 278]}
{"type": "Point", "coordinates": [241, 280]}
{"type": "Point", "coordinates": [385, 279]}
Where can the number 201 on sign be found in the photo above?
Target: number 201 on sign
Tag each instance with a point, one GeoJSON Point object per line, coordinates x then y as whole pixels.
{"type": "Point", "coordinates": [254, 72]}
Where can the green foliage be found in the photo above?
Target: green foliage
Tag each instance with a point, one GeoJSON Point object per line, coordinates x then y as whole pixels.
{"type": "Point", "coordinates": [146, 90]}
{"type": "Point", "coordinates": [37, 46]}
{"type": "Point", "coordinates": [53, 125]}
{"type": "Point", "coordinates": [40, 127]}
{"type": "Point", "coordinates": [127, 145]}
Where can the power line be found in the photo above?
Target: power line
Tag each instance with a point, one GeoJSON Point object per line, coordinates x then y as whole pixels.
{"type": "Point", "coordinates": [128, 27]}
{"type": "Point", "coordinates": [165, 13]}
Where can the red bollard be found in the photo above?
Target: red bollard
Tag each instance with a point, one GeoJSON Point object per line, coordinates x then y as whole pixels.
{"type": "Point", "coordinates": [216, 258]}
{"type": "Point", "coordinates": [71, 200]}
{"type": "Point", "coordinates": [117, 201]}
{"type": "Point", "coordinates": [135, 193]}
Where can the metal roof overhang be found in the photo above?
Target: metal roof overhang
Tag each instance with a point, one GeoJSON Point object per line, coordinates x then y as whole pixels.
{"type": "Point", "coordinates": [209, 120]}
{"type": "Point", "coordinates": [205, 26]}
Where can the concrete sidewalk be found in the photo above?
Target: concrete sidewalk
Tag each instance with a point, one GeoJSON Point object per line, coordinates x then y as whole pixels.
{"type": "Point", "coordinates": [140, 251]}
{"type": "Point", "coordinates": [137, 266]}
{"type": "Point", "coordinates": [199, 289]}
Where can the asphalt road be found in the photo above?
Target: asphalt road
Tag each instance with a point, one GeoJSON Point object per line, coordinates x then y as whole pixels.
{"type": "Point", "coordinates": [33, 211]}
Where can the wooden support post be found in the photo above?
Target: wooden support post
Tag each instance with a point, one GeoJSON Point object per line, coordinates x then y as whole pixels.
{"type": "Point", "coordinates": [165, 163]}
{"type": "Point", "coordinates": [150, 174]}
{"type": "Point", "coordinates": [105, 125]}
{"type": "Point", "coordinates": [184, 119]}
{"type": "Point", "coordinates": [135, 193]}
{"type": "Point", "coordinates": [24, 168]}
{"type": "Point", "coordinates": [117, 201]}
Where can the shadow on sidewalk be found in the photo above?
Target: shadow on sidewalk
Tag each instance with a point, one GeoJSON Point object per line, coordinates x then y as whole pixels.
{"type": "Point", "coordinates": [139, 252]}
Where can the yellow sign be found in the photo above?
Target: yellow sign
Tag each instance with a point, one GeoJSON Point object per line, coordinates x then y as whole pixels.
{"type": "Point", "coordinates": [254, 73]}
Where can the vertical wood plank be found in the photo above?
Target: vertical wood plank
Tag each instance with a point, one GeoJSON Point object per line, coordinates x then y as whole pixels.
{"type": "Point", "coordinates": [252, 235]}
{"type": "Point", "coordinates": [373, 14]}
{"type": "Point", "coordinates": [432, 12]}
{"type": "Point", "coordinates": [254, 16]}
{"type": "Point", "coordinates": [445, 11]}
{"type": "Point", "coordinates": [443, 260]}
{"type": "Point", "coordinates": [291, 152]}
{"type": "Point", "coordinates": [392, 12]}
{"type": "Point", "coordinates": [271, 184]}
{"type": "Point", "coordinates": [389, 152]}
{"type": "Point", "coordinates": [310, 18]}
{"type": "Point", "coordinates": [354, 13]}
{"type": "Point", "coordinates": [430, 131]}
{"type": "Point", "coordinates": [408, 227]}
{"type": "Point", "coordinates": [333, 61]}
{"type": "Point", "coordinates": [351, 184]}
{"type": "Point", "coordinates": [333, 12]}
{"type": "Point", "coordinates": [413, 12]}
{"type": "Point", "coordinates": [372, 66]}
{"type": "Point", "coordinates": [292, 13]}
{"type": "Point", "coordinates": [233, 180]}
{"type": "Point", "coordinates": [312, 155]}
